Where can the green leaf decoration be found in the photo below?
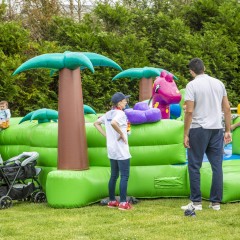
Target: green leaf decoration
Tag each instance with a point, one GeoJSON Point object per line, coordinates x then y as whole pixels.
{"type": "Point", "coordinates": [53, 71]}
{"type": "Point", "coordinates": [70, 60]}
{"type": "Point", "coordinates": [26, 118]}
{"type": "Point", "coordinates": [88, 110]}
{"type": "Point", "coordinates": [46, 115]}
{"type": "Point", "coordinates": [136, 73]}
{"type": "Point", "coordinates": [42, 115]}
{"type": "Point", "coordinates": [99, 60]}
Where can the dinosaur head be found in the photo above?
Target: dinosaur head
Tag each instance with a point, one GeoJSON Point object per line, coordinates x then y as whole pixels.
{"type": "Point", "coordinates": [165, 90]}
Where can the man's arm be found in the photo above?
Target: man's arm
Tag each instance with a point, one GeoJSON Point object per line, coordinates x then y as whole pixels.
{"type": "Point", "coordinates": [227, 117]}
{"type": "Point", "coordinates": [187, 121]}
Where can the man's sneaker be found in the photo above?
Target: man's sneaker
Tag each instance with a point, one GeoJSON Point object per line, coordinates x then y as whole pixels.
{"type": "Point", "coordinates": [192, 206]}
{"type": "Point", "coordinates": [124, 206]}
{"type": "Point", "coordinates": [113, 204]}
{"type": "Point", "coordinates": [215, 206]}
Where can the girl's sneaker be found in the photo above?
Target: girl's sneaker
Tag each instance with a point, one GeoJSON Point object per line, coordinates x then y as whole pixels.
{"type": "Point", "coordinates": [124, 206]}
{"type": "Point", "coordinates": [113, 204]}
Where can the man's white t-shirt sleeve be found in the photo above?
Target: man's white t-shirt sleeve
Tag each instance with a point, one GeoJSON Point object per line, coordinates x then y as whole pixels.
{"type": "Point", "coordinates": [189, 94]}
{"type": "Point", "coordinates": [224, 90]}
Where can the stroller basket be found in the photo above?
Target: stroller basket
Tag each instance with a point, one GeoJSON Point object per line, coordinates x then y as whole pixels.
{"type": "Point", "coordinates": [19, 191]}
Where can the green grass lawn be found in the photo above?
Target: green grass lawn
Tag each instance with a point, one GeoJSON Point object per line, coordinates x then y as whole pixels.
{"type": "Point", "coordinates": [149, 219]}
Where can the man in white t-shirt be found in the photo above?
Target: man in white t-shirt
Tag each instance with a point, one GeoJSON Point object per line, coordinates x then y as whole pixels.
{"type": "Point", "coordinates": [115, 122]}
{"type": "Point", "coordinates": [205, 99]}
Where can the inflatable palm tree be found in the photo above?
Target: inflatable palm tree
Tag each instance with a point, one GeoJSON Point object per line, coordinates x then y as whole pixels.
{"type": "Point", "coordinates": [72, 143]}
{"type": "Point", "coordinates": [145, 75]}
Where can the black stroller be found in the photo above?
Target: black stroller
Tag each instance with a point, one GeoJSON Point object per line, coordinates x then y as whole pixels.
{"type": "Point", "coordinates": [18, 180]}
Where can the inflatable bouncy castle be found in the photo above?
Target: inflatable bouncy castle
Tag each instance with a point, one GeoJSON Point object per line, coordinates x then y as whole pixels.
{"type": "Point", "coordinates": [158, 164]}
{"type": "Point", "coordinates": [155, 170]}
{"type": "Point", "coordinates": [73, 158]}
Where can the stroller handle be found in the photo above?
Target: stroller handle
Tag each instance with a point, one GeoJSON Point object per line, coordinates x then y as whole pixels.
{"type": "Point", "coordinates": [30, 157]}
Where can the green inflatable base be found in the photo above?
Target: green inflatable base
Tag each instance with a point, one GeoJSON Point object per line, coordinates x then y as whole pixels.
{"type": "Point", "coordinates": [43, 175]}
{"type": "Point", "coordinates": [70, 189]}
{"type": "Point", "coordinates": [231, 180]}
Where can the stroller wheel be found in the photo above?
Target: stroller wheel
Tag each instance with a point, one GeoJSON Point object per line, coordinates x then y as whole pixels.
{"type": "Point", "coordinates": [33, 195]}
{"type": "Point", "coordinates": [39, 197]}
{"type": "Point", "coordinates": [5, 202]}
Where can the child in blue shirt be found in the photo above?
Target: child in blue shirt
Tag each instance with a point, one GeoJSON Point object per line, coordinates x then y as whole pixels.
{"type": "Point", "coordinates": [5, 115]}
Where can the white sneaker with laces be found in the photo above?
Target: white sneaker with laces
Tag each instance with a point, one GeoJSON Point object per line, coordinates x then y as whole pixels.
{"type": "Point", "coordinates": [192, 206]}
{"type": "Point", "coordinates": [215, 207]}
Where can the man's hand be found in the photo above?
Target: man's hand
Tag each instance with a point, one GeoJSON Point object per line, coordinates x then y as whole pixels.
{"type": "Point", "coordinates": [186, 142]}
{"type": "Point", "coordinates": [227, 137]}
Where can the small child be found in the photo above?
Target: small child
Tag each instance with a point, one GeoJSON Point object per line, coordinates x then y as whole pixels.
{"type": "Point", "coordinates": [5, 115]}
{"type": "Point", "coordinates": [233, 126]}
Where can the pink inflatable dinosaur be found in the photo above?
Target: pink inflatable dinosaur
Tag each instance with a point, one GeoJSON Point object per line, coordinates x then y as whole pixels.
{"type": "Point", "coordinates": [165, 92]}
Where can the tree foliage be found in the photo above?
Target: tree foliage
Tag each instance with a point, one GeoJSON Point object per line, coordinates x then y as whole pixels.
{"type": "Point", "coordinates": [157, 33]}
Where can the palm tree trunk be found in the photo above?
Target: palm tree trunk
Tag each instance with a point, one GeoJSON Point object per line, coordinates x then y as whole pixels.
{"type": "Point", "coordinates": [145, 89]}
{"type": "Point", "coordinates": [72, 142]}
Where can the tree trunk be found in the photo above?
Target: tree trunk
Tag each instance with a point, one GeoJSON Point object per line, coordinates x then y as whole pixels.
{"type": "Point", "coordinates": [71, 8]}
{"type": "Point", "coordinates": [145, 89]}
{"type": "Point", "coordinates": [79, 11]}
{"type": "Point", "coordinates": [72, 142]}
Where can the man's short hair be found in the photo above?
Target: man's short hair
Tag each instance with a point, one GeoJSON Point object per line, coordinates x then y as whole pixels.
{"type": "Point", "coordinates": [196, 65]}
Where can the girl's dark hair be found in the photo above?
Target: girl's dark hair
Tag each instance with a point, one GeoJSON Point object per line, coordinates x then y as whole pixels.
{"type": "Point", "coordinates": [196, 65]}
